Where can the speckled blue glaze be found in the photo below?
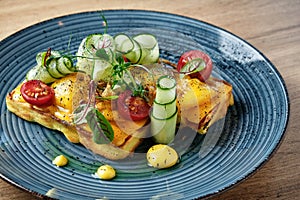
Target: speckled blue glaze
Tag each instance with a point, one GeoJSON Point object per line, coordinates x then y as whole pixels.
{"type": "Point", "coordinates": [254, 126]}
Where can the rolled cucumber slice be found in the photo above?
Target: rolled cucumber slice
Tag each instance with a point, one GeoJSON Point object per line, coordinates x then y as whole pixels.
{"type": "Point", "coordinates": [101, 46]}
{"type": "Point", "coordinates": [134, 56]}
{"type": "Point", "coordinates": [51, 67]}
{"type": "Point", "coordinates": [149, 48]}
{"type": "Point", "coordinates": [65, 65]}
{"type": "Point", "coordinates": [149, 56]}
{"type": "Point", "coordinates": [39, 73]}
{"type": "Point", "coordinates": [164, 111]}
{"type": "Point", "coordinates": [102, 70]}
{"type": "Point", "coordinates": [195, 65]}
{"type": "Point", "coordinates": [165, 90]}
{"type": "Point", "coordinates": [124, 43]}
{"type": "Point", "coordinates": [146, 40]}
{"type": "Point", "coordinates": [56, 66]}
{"type": "Point", "coordinates": [41, 56]}
{"type": "Point", "coordinates": [163, 130]}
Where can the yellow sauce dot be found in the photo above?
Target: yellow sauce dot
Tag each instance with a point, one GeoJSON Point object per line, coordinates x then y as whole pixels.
{"type": "Point", "coordinates": [60, 161]}
{"type": "Point", "coordinates": [162, 156]}
{"type": "Point", "coordinates": [106, 172]}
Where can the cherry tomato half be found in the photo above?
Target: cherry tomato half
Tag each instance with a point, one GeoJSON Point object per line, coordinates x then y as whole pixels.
{"type": "Point", "coordinates": [37, 93]}
{"type": "Point", "coordinates": [131, 107]}
{"type": "Point", "coordinates": [195, 57]}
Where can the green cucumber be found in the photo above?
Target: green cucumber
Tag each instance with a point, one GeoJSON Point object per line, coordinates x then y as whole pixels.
{"type": "Point", "coordinates": [83, 62]}
{"type": "Point", "coordinates": [165, 90]}
{"type": "Point", "coordinates": [56, 66]}
{"type": "Point", "coordinates": [164, 110]}
{"type": "Point", "coordinates": [100, 46]}
{"type": "Point", "coordinates": [101, 70]}
{"type": "Point", "coordinates": [39, 73]}
{"type": "Point", "coordinates": [135, 55]}
{"type": "Point", "coordinates": [149, 48]}
{"type": "Point", "coordinates": [128, 47]}
{"type": "Point", "coordinates": [149, 56]}
{"type": "Point", "coordinates": [41, 56]}
{"type": "Point", "coordinates": [92, 42]}
{"type": "Point", "coordinates": [96, 53]}
{"type": "Point", "coordinates": [65, 65]}
{"type": "Point", "coordinates": [194, 65]}
{"type": "Point", "coordinates": [51, 65]}
{"type": "Point", "coordinates": [146, 40]}
{"type": "Point", "coordinates": [124, 43]}
{"type": "Point", "coordinates": [163, 130]}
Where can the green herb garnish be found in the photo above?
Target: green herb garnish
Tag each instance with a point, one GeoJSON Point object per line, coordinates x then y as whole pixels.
{"type": "Point", "coordinates": [100, 126]}
{"type": "Point", "coordinates": [101, 53]}
{"type": "Point", "coordinates": [120, 69]}
{"type": "Point", "coordinates": [104, 23]}
{"type": "Point", "coordinates": [107, 98]}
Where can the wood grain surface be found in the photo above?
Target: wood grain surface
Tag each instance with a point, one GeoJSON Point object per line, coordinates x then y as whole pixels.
{"type": "Point", "coordinates": [272, 26]}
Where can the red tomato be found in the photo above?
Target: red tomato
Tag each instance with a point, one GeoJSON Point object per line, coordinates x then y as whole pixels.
{"type": "Point", "coordinates": [131, 107]}
{"type": "Point", "coordinates": [37, 93]}
{"type": "Point", "coordinates": [125, 59]}
{"type": "Point", "coordinates": [193, 55]}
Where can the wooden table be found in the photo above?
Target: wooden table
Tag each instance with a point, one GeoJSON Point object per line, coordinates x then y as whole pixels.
{"type": "Point", "coordinates": [272, 26]}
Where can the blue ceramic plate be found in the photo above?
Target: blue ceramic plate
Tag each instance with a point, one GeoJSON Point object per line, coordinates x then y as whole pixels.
{"type": "Point", "coordinates": [254, 126]}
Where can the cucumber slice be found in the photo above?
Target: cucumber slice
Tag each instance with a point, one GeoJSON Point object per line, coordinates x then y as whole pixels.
{"type": "Point", "coordinates": [166, 90]}
{"type": "Point", "coordinates": [41, 56]}
{"type": "Point", "coordinates": [146, 40]}
{"type": "Point", "coordinates": [101, 46]}
{"type": "Point", "coordinates": [65, 65]}
{"type": "Point", "coordinates": [164, 111]}
{"type": "Point", "coordinates": [39, 73]}
{"type": "Point", "coordinates": [150, 56]}
{"type": "Point", "coordinates": [51, 66]}
{"type": "Point", "coordinates": [81, 49]}
{"type": "Point", "coordinates": [149, 47]}
{"type": "Point", "coordinates": [102, 70]}
{"type": "Point", "coordinates": [163, 130]}
{"type": "Point", "coordinates": [47, 74]}
{"type": "Point", "coordinates": [92, 43]}
{"type": "Point", "coordinates": [97, 51]}
{"type": "Point", "coordinates": [135, 55]}
{"type": "Point", "coordinates": [84, 64]}
{"type": "Point", "coordinates": [195, 65]}
{"type": "Point", "coordinates": [124, 43]}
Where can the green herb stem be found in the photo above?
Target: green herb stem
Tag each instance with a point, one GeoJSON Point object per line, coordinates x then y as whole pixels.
{"type": "Point", "coordinates": [135, 87]}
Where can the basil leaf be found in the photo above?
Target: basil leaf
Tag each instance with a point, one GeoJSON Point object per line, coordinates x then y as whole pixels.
{"type": "Point", "coordinates": [101, 128]}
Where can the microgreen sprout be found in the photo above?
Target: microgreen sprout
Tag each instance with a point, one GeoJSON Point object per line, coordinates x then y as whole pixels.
{"type": "Point", "coordinates": [120, 69]}
{"type": "Point", "coordinates": [104, 22]}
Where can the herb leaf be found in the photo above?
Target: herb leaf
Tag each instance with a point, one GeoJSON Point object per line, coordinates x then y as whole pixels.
{"type": "Point", "coordinates": [113, 97]}
{"type": "Point", "coordinates": [101, 53]}
{"type": "Point", "coordinates": [101, 128]}
{"type": "Point", "coordinates": [119, 69]}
